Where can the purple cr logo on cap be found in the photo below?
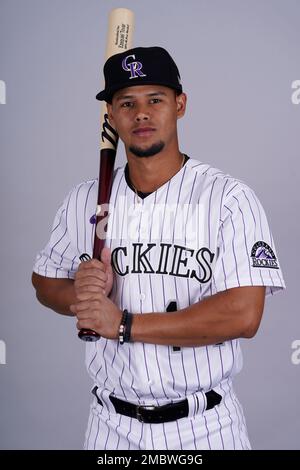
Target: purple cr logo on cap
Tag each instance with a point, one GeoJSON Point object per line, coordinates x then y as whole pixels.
{"type": "Point", "coordinates": [135, 68]}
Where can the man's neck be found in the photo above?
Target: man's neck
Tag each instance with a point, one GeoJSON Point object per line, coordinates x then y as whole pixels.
{"type": "Point", "coordinates": [147, 174]}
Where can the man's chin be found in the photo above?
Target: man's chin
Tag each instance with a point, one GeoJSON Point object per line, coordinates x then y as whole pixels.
{"type": "Point", "coordinates": [150, 151]}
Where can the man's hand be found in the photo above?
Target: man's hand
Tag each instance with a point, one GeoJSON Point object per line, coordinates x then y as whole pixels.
{"type": "Point", "coordinates": [94, 276]}
{"type": "Point", "coordinates": [98, 313]}
{"type": "Point", "coordinates": [93, 309]}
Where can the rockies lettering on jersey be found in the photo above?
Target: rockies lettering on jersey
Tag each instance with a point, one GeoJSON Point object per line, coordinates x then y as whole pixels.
{"type": "Point", "coordinates": [141, 263]}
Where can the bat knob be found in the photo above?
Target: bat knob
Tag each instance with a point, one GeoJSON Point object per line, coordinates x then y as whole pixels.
{"type": "Point", "coordinates": [88, 335]}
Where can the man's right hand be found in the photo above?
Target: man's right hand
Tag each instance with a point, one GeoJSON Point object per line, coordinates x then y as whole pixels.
{"type": "Point", "coordinates": [94, 275]}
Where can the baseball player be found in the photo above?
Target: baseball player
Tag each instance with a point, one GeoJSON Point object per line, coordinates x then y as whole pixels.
{"type": "Point", "coordinates": [188, 261]}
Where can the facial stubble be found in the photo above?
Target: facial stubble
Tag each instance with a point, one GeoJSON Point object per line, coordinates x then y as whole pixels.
{"type": "Point", "coordinates": [154, 149]}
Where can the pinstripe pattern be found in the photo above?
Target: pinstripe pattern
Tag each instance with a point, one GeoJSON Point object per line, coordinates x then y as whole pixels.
{"type": "Point", "coordinates": [222, 427]}
{"type": "Point", "coordinates": [229, 220]}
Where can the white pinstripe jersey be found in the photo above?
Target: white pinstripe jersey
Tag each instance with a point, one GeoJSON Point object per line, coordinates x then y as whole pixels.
{"type": "Point", "coordinates": [200, 233]}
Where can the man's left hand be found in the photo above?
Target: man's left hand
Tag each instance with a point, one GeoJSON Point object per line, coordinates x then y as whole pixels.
{"type": "Point", "coordinates": [98, 313]}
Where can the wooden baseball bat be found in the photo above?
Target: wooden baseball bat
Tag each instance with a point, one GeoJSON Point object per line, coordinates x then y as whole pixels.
{"type": "Point", "coordinates": [119, 38]}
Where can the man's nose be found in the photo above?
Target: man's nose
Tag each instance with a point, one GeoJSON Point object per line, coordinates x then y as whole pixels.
{"type": "Point", "coordinates": [142, 114]}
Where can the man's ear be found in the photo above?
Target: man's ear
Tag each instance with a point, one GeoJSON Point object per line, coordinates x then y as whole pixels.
{"type": "Point", "coordinates": [181, 105]}
{"type": "Point", "coordinates": [110, 114]}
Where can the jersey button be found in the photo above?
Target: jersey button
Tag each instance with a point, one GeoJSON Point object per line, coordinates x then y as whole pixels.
{"type": "Point", "coordinates": [142, 296]}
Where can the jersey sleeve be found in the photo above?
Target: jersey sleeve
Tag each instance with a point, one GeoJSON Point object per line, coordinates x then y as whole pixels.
{"type": "Point", "coordinates": [59, 258]}
{"type": "Point", "coordinates": [246, 255]}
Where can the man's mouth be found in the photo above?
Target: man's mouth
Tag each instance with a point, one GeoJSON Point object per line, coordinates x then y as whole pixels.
{"type": "Point", "coordinates": [143, 131]}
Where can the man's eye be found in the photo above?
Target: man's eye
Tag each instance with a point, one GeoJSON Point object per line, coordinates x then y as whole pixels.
{"type": "Point", "coordinates": [127, 104]}
{"type": "Point", "coordinates": [155, 100]}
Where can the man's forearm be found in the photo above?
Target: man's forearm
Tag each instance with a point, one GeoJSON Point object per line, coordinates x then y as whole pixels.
{"type": "Point", "coordinates": [223, 316]}
{"type": "Point", "coordinates": [57, 294]}
{"type": "Point", "coordinates": [59, 299]}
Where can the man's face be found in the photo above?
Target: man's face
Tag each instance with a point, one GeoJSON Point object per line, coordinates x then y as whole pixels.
{"type": "Point", "coordinates": [145, 117]}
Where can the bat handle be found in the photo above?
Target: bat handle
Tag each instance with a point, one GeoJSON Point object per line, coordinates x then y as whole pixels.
{"type": "Point", "coordinates": [86, 334]}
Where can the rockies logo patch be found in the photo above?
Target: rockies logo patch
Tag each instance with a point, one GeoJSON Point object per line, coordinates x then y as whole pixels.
{"type": "Point", "coordinates": [263, 256]}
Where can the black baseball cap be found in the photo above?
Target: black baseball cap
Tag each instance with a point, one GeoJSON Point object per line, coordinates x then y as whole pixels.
{"type": "Point", "coordinates": [139, 66]}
